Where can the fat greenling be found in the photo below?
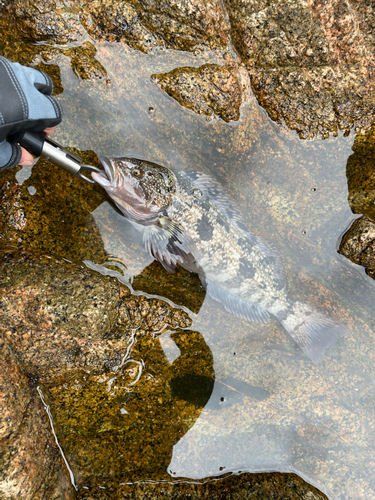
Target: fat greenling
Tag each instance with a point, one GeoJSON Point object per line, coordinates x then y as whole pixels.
{"type": "Point", "coordinates": [187, 218]}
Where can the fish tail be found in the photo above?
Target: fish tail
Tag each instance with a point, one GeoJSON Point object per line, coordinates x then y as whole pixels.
{"type": "Point", "coordinates": [312, 331]}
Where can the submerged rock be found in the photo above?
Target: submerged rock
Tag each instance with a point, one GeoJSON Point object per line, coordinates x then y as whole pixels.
{"type": "Point", "coordinates": [269, 486]}
{"type": "Point", "coordinates": [71, 330]}
{"type": "Point", "coordinates": [208, 90]}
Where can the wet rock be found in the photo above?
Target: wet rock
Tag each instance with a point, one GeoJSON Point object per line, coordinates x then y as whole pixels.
{"type": "Point", "coordinates": [208, 90]}
{"type": "Point", "coordinates": [24, 24]}
{"type": "Point", "coordinates": [118, 21]}
{"type": "Point", "coordinates": [44, 20]}
{"type": "Point", "coordinates": [31, 466]}
{"type": "Point", "coordinates": [310, 63]}
{"type": "Point", "coordinates": [143, 26]}
{"type": "Point", "coordinates": [186, 26]}
{"type": "Point", "coordinates": [360, 173]}
{"type": "Point", "coordinates": [53, 309]}
{"type": "Point", "coordinates": [358, 244]}
{"type": "Point", "coordinates": [189, 27]}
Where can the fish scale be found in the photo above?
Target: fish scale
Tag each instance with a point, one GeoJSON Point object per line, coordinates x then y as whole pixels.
{"type": "Point", "coordinates": [224, 250]}
{"type": "Point", "coordinates": [187, 218]}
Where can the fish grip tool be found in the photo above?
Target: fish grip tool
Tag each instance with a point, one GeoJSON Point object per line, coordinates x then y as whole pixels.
{"type": "Point", "coordinates": [40, 144]}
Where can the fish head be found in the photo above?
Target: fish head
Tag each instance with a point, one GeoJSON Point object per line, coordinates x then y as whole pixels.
{"type": "Point", "coordinates": [142, 190]}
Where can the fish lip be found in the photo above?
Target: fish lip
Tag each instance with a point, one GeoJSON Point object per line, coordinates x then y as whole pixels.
{"type": "Point", "coordinates": [108, 168]}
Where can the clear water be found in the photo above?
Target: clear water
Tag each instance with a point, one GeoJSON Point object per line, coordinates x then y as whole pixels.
{"type": "Point", "coordinates": [271, 407]}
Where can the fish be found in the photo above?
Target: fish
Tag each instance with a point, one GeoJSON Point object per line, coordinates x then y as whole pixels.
{"type": "Point", "coordinates": [187, 219]}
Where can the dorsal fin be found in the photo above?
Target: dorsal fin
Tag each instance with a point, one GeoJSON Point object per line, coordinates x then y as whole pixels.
{"type": "Point", "coordinates": [217, 195]}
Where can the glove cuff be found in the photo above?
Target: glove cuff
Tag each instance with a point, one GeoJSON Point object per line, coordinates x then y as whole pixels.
{"type": "Point", "coordinates": [10, 154]}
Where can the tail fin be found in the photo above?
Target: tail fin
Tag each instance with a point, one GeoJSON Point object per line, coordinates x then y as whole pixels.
{"type": "Point", "coordinates": [312, 331]}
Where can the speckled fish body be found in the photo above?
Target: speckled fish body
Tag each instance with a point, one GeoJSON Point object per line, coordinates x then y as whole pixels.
{"type": "Point", "coordinates": [187, 219]}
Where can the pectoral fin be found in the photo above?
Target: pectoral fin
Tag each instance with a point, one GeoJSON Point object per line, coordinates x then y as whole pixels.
{"type": "Point", "coordinates": [169, 244]}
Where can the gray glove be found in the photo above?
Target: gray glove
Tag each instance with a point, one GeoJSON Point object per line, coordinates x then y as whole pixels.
{"type": "Point", "coordinates": [25, 104]}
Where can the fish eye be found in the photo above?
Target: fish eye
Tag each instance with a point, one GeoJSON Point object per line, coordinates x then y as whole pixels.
{"type": "Point", "coordinates": [138, 173]}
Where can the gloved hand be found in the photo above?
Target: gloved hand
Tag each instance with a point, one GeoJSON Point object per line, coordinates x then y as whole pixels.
{"type": "Point", "coordinates": [25, 104]}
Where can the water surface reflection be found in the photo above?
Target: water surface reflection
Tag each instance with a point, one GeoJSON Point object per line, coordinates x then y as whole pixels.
{"type": "Point", "coordinates": [285, 413]}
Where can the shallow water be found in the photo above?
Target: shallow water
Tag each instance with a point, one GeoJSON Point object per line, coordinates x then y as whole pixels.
{"type": "Point", "coordinates": [271, 408]}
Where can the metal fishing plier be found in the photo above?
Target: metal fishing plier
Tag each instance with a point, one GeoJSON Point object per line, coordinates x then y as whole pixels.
{"type": "Point", "coordinates": [40, 144]}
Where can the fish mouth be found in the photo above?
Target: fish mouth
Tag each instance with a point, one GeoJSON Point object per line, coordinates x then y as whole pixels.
{"type": "Point", "coordinates": [105, 178]}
